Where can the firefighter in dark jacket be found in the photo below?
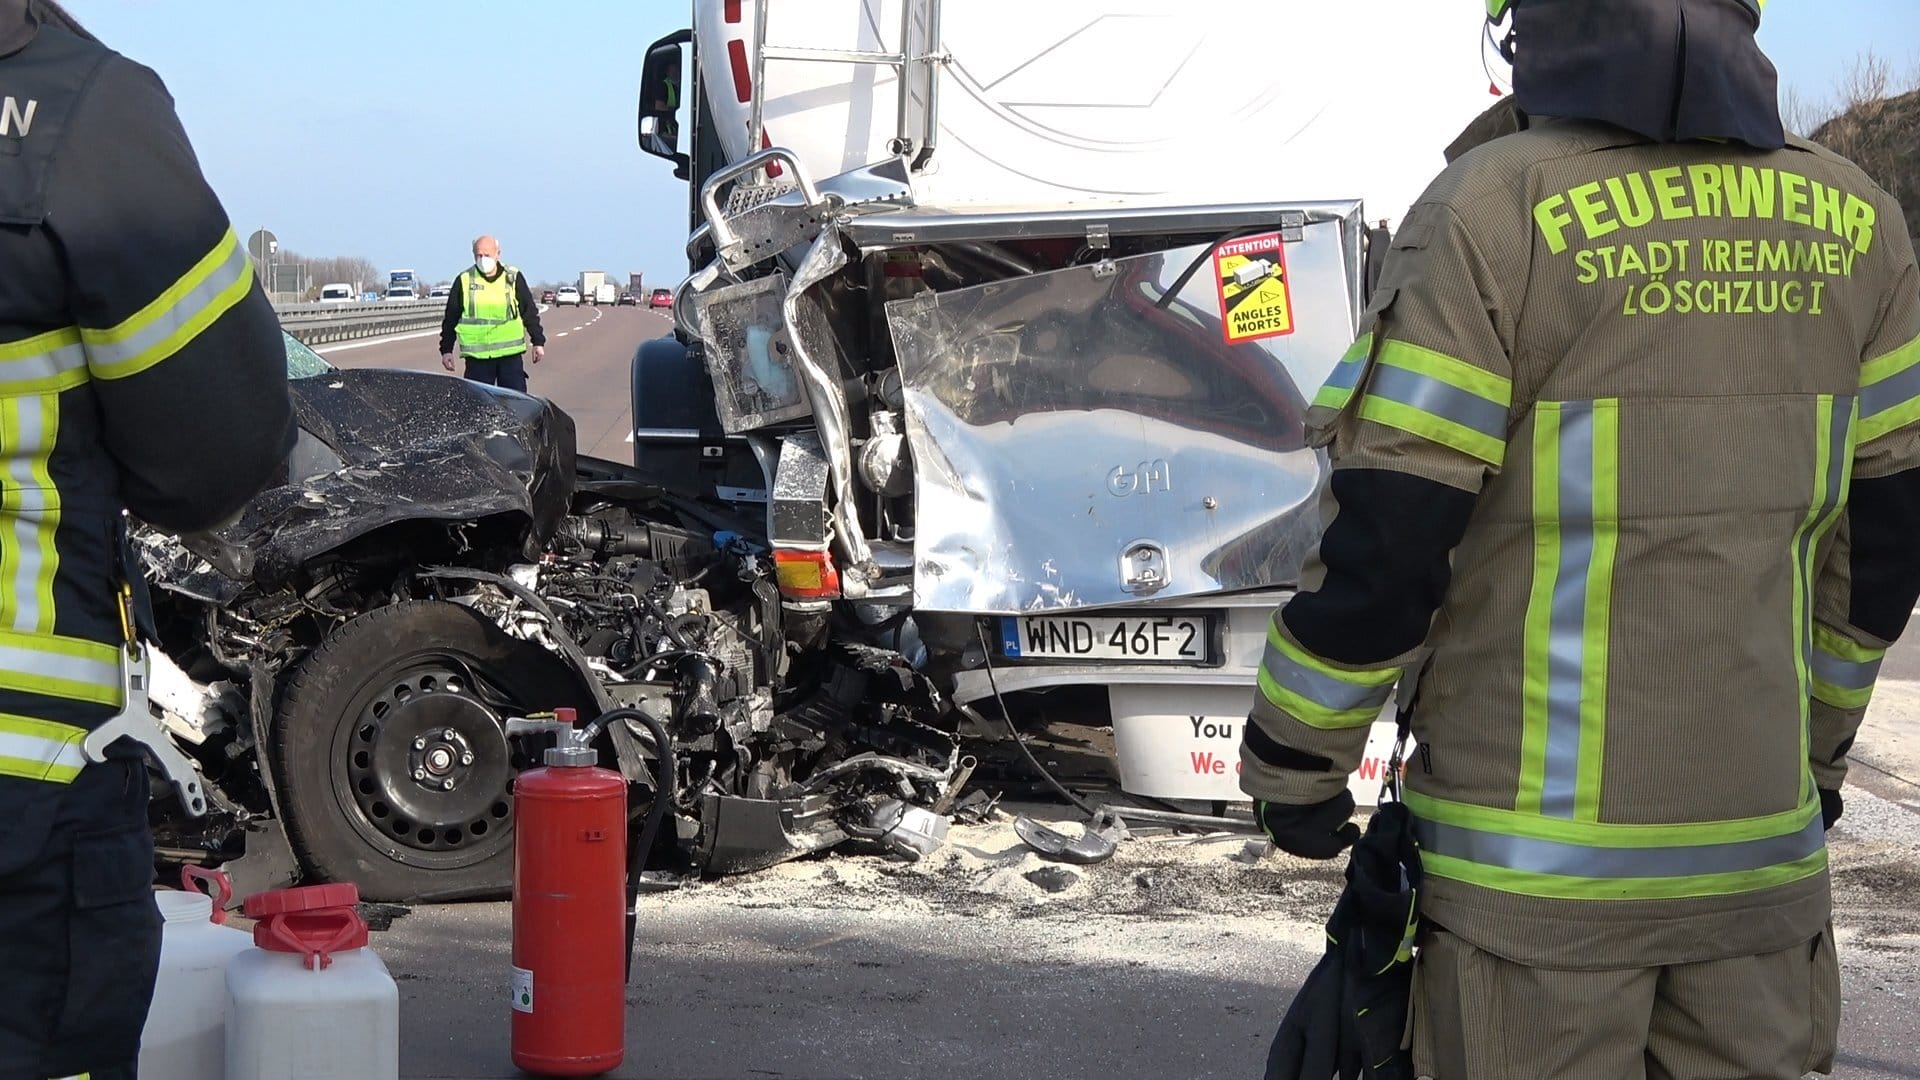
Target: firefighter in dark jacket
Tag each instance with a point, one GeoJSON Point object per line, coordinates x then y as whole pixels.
{"type": "Point", "coordinates": [492, 315]}
{"type": "Point", "coordinates": [1613, 511]}
{"type": "Point", "coordinates": [143, 371]}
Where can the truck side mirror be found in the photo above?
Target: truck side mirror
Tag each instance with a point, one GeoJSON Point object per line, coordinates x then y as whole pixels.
{"type": "Point", "coordinates": [663, 89]}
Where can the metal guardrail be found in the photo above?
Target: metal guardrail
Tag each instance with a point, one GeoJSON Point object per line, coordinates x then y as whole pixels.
{"type": "Point", "coordinates": [315, 324]}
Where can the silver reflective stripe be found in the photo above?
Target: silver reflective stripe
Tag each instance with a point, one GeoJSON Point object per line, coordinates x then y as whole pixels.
{"type": "Point", "coordinates": [1891, 392]}
{"type": "Point", "coordinates": [168, 321]}
{"type": "Point", "coordinates": [1844, 674]}
{"type": "Point", "coordinates": [1567, 628]}
{"type": "Point", "coordinates": [499, 348]}
{"type": "Point", "coordinates": [44, 365]}
{"type": "Point", "coordinates": [1441, 399]}
{"type": "Point", "coordinates": [1319, 687]}
{"type": "Point", "coordinates": [52, 665]}
{"type": "Point", "coordinates": [57, 752]}
{"type": "Point", "coordinates": [1536, 856]}
{"type": "Point", "coordinates": [468, 320]}
{"type": "Point", "coordinates": [1346, 374]}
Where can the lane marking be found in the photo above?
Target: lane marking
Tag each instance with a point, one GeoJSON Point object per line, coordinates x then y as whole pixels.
{"type": "Point", "coordinates": [563, 333]}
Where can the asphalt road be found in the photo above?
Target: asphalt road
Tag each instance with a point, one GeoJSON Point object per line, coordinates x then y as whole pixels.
{"type": "Point", "coordinates": [835, 969]}
{"type": "Point", "coordinates": [589, 350]}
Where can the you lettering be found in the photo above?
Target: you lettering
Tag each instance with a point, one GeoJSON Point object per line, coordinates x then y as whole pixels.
{"type": "Point", "coordinates": [1204, 728]}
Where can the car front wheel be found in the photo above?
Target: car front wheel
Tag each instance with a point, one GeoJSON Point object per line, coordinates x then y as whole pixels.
{"type": "Point", "coordinates": [394, 766]}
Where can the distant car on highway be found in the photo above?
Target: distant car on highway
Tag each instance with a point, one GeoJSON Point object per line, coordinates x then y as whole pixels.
{"type": "Point", "coordinates": [403, 294]}
{"type": "Point", "coordinates": [627, 298]}
{"type": "Point", "coordinates": [661, 298]}
{"type": "Point", "coordinates": [567, 295]}
{"type": "Point", "coordinates": [369, 297]}
{"type": "Point", "coordinates": [439, 292]}
{"type": "Point", "coordinates": [547, 297]}
{"type": "Point", "coordinates": [336, 293]}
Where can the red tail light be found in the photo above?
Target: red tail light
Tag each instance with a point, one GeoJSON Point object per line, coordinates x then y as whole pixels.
{"type": "Point", "coordinates": [806, 575]}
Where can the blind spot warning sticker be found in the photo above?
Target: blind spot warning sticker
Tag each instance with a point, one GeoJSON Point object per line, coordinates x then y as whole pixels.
{"type": "Point", "coordinates": [1255, 301]}
{"type": "Point", "coordinates": [522, 990]}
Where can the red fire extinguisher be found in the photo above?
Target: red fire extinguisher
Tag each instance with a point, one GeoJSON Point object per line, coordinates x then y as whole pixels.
{"type": "Point", "coordinates": [569, 869]}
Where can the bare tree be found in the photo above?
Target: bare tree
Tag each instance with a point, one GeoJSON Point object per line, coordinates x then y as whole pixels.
{"type": "Point", "coordinates": [1868, 80]}
{"type": "Point", "coordinates": [1801, 115]}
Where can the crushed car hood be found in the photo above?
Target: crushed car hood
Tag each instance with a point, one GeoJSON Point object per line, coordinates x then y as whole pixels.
{"type": "Point", "coordinates": [377, 447]}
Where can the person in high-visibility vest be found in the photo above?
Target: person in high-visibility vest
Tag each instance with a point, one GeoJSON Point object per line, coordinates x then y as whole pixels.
{"type": "Point", "coordinates": [142, 371]}
{"type": "Point", "coordinates": [493, 319]}
{"type": "Point", "coordinates": [1626, 481]}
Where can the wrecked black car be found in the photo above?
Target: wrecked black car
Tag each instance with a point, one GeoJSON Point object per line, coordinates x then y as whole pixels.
{"type": "Point", "coordinates": [341, 659]}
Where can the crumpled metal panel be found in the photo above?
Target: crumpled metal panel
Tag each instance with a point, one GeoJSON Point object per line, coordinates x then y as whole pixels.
{"type": "Point", "coordinates": [375, 448]}
{"type": "Point", "coordinates": [1067, 427]}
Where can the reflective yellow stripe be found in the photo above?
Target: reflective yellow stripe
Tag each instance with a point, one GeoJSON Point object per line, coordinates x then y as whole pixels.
{"type": "Point", "coordinates": [1833, 470]}
{"type": "Point", "coordinates": [1571, 887]}
{"type": "Point", "coordinates": [60, 667]}
{"type": "Point", "coordinates": [1317, 693]}
{"type": "Point", "coordinates": [46, 516]}
{"type": "Point", "coordinates": [33, 749]}
{"type": "Point", "coordinates": [43, 364]}
{"type": "Point", "coordinates": [1439, 398]}
{"type": "Point", "coordinates": [1890, 391]}
{"type": "Point", "coordinates": [29, 513]}
{"type": "Point", "coordinates": [208, 290]}
{"type": "Point", "coordinates": [1568, 623]}
{"type": "Point", "coordinates": [1338, 389]}
{"type": "Point", "coordinates": [1843, 670]}
{"type": "Point", "coordinates": [1518, 852]}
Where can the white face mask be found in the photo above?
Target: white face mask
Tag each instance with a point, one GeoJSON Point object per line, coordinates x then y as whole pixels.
{"type": "Point", "coordinates": [486, 263]}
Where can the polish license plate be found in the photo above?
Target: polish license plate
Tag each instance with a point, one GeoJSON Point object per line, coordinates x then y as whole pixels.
{"type": "Point", "coordinates": [1166, 639]}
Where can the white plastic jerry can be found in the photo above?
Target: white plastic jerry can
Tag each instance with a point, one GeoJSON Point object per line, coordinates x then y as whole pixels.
{"type": "Point", "coordinates": [311, 1001]}
{"type": "Point", "coordinates": [185, 1037]}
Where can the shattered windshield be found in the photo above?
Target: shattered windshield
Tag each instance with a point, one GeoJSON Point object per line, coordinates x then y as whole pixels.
{"type": "Point", "coordinates": [302, 362]}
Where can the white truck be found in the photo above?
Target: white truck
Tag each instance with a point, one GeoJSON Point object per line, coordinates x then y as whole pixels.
{"type": "Point", "coordinates": [606, 293]}
{"type": "Point", "coordinates": [1010, 335]}
{"type": "Point", "coordinates": [590, 282]}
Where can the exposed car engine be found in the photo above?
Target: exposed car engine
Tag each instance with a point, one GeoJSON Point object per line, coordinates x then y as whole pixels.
{"type": "Point", "coordinates": [341, 662]}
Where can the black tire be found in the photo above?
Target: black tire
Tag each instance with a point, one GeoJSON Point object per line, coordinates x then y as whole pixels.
{"type": "Point", "coordinates": [393, 773]}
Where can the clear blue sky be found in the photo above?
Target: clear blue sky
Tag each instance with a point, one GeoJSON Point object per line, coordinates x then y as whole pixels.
{"type": "Point", "coordinates": [398, 130]}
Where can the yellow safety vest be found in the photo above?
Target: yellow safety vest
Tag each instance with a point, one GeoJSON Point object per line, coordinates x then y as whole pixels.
{"type": "Point", "coordinates": [490, 323]}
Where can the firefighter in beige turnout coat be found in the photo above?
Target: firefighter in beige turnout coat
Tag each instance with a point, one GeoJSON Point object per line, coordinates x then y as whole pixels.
{"type": "Point", "coordinates": [1627, 484]}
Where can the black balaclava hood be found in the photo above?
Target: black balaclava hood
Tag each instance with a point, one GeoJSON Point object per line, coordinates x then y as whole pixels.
{"type": "Point", "coordinates": [20, 20]}
{"type": "Point", "coordinates": [1670, 70]}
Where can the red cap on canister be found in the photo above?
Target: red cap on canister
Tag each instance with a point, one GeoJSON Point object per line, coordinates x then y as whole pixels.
{"type": "Point", "coordinates": [314, 921]}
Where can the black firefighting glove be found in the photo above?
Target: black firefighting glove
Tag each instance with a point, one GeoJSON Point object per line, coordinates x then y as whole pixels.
{"type": "Point", "coordinates": [1319, 830]}
{"type": "Point", "coordinates": [1831, 807]}
{"type": "Point", "coordinates": [1350, 1015]}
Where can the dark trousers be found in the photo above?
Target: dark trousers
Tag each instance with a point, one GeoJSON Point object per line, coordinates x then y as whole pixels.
{"type": "Point", "coordinates": [509, 371]}
{"type": "Point", "coordinates": [80, 933]}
